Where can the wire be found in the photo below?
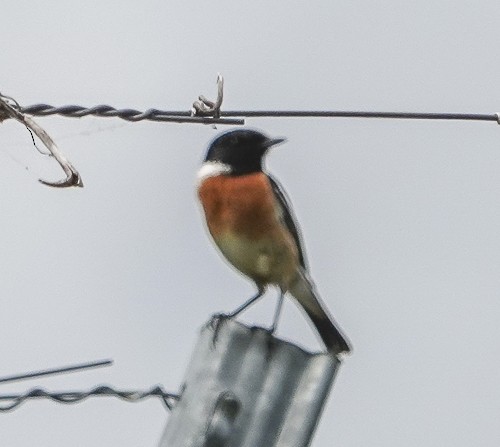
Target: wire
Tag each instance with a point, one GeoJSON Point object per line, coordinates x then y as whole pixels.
{"type": "Point", "coordinates": [75, 111]}
{"type": "Point", "coordinates": [362, 114]}
{"type": "Point", "coordinates": [71, 397]}
{"type": "Point", "coordinates": [52, 371]}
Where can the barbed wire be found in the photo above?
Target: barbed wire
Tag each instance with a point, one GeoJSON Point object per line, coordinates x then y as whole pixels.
{"type": "Point", "coordinates": [203, 110]}
{"type": "Point", "coordinates": [71, 397]}
{"type": "Point", "coordinates": [76, 111]}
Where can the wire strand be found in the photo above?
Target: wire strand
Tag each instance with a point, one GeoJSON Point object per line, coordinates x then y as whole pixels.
{"type": "Point", "coordinates": [74, 111]}
{"type": "Point", "coordinates": [52, 371]}
{"type": "Point", "coordinates": [71, 397]}
{"type": "Point", "coordinates": [361, 114]}
{"type": "Point", "coordinates": [229, 117]}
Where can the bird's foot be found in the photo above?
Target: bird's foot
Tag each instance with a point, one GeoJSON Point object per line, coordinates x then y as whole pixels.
{"type": "Point", "coordinates": [272, 329]}
{"type": "Point", "coordinates": [216, 323]}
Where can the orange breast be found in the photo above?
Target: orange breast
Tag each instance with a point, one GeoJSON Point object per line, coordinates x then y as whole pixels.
{"type": "Point", "coordinates": [238, 204]}
{"type": "Point", "coordinates": [245, 225]}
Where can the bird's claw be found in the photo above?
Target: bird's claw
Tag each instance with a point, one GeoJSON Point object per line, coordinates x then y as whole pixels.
{"type": "Point", "coordinates": [216, 323]}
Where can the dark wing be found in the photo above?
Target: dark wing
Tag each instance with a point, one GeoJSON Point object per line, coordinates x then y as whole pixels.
{"type": "Point", "coordinates": [288, 218]}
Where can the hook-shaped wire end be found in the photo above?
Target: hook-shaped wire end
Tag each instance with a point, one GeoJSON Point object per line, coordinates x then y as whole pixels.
{"type": "Point", "coordinates": [73, 179]}
{"type": "Point", "coordinates": [10, 108]}
{"type": "Point", "coordinates": [206, 107]}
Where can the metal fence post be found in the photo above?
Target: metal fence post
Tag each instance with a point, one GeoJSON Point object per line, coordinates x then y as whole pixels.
{"type": "Point", "coordinates": [246, 388]}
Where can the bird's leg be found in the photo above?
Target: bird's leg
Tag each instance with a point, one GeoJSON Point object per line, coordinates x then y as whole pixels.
{"type": "Point", "coordinates": [246, 304]}
{"type": "Point", "coordinates": [217, 319]}
{"type": "Point", "coordinates": [277, 312]}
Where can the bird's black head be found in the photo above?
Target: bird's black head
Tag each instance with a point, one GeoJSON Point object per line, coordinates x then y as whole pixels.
{"type": "Point", "coordinates": [241, 149]}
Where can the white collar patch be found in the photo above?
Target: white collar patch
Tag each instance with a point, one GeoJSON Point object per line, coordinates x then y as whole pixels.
{"type": "Point", "coordinates": [212, 169]}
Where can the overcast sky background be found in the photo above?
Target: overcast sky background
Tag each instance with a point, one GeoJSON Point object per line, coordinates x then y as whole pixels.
{"type": "Point", "coordinates": [400, 218]}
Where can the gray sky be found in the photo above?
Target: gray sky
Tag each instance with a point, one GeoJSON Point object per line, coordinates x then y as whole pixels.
{"type": "Point", "coordinates": [401, 234]}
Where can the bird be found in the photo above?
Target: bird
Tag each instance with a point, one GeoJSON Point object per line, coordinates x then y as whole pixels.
{"type": "Point", "coordinates": [251, 221]}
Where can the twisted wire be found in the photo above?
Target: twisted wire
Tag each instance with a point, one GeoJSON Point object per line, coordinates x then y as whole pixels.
{"type": "Point", "coordinates": [230, 117]}
{"type": "Point", "coordinates": [71, 397]}
{"type": "Point", "coordinates": [75, 111]}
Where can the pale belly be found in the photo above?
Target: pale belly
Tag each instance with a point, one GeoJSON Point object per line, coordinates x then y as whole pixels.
{"type": "Point", "coordinates": [263, 261]}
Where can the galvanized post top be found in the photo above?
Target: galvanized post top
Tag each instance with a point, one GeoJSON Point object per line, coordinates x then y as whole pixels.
{"type": "Point", "coordinates": [246, 388]}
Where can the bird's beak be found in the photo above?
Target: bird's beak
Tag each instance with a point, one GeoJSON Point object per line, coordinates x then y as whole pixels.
{"type": "Point", "coordinates": [273, 142]}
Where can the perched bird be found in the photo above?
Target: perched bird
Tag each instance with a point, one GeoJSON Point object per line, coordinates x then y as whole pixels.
{"type": "Point", "coordinates": [252, 223]}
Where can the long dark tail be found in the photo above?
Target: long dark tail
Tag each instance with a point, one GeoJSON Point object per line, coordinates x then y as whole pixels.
{"type": "Point", "coordinates": [304, 291]}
